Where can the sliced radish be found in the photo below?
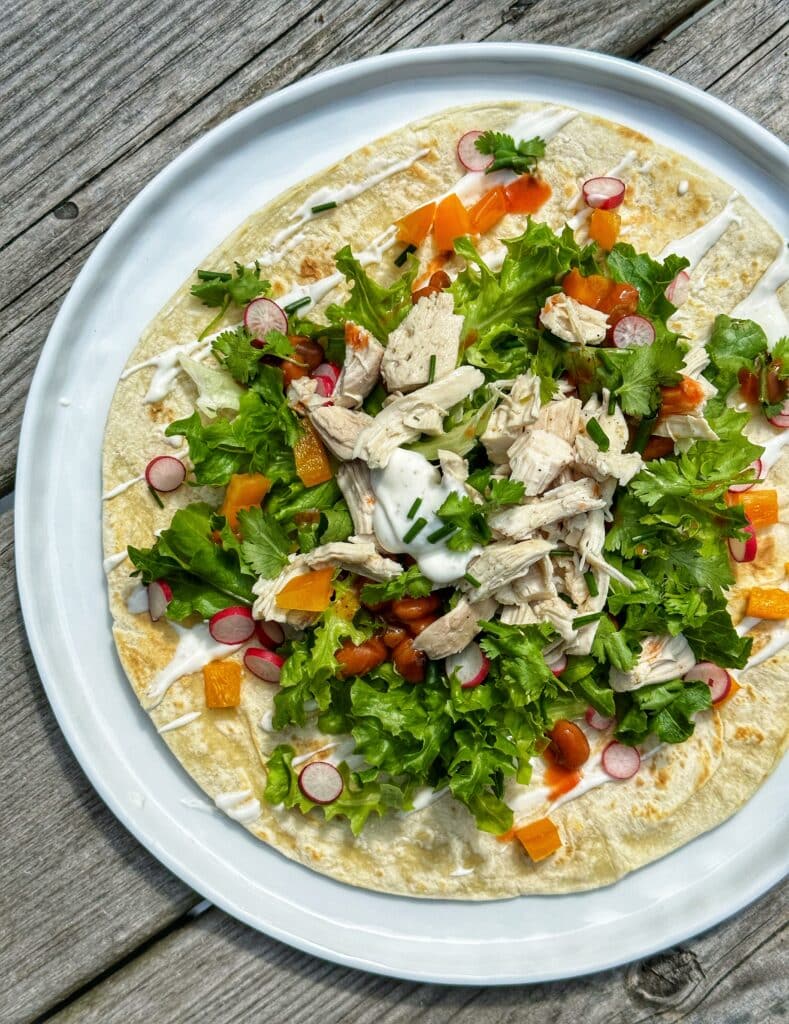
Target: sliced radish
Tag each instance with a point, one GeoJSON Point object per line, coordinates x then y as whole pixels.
{"type": "Point", "coordinates": [620, 761]}
{"type": "Point", "coordinates": [782, 419]}
{"type": "Point", "coordinates": [270, 634]}
{"type": "Point", "coordinates": [324, 386]}
{"type": "Point", "coordinates": [678, 290]}
{"type": "Point", "coordinates": [469, 155]}
{"type": "Point", "coordinates": [717, 678]}
{"type": "Point", "coordinates": [557, 664]}
{"type": "Point", "coordinates": [603, 193]}
{"type": "Point", "coordinates": [262, 316]}
{"type": "Point", "coordinates": [327, 370]}
{"type": "Point", "coordinates": [758, 467]}
{"type": "Point", "coordinates": [232, 625]}
{"type": "Point", "coordinates": [165, 473]}
{"type": "Point", "coordinates": [471, 665]}
{"type": "Point", "coordinates": [159, 596]}
{"type": "Point", "coordinates": [744, 550]}
{"type": "Point", "coordinates": [320, 782]}
{"type": "Point", "coordinates": [263, 663]}
{"type": "Point", "coordinates": [633, 331]}
{"type": "Point", "coordinates": [598, 721]}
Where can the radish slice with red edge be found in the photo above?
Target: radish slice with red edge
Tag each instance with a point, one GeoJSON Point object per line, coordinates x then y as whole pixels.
{"type": "Point", "coordinates": [782, 418]}
{"type": "Point", "coordinates": [232, 625]}
{"type": "Point", "coordinates": [598, 721]}
{"type": "Point", "coordinates": [331, 370]}
{"type": "Point", "coordinates": [678, 290]}
{"type": "Point", "coordinates": [557, 665]}
{"type": "Point", "coordinates": [263, 663]}
{"type": "Point", "coordinates": [324, 386]}
{"type": "Point", "coordinates": [717, 678]}
{"type": "Point", "coordinates": [470, 664]}
{"type": "Point", "coordinates": [744, 550]}
{"type": "Point", "coordinates": [165, 473]}
{"type": "Point", "coordinates": [469, 155]}
{"type": "Point", "coordinates": [758, 468]}
{"type": "Point", "coordinates": [263, 315]}
{"type": "Point", "coordinates": [320, 782]}
{"type": "Point", "coordinates": [603, 193]}
{"type": "Point", "coordinates": [633, 332]}
{"type": "Point", "coordinates": [620, 761]}
{"type": "Point", "coordinates": [270, 634]}
{"type": "Point", "coordinates": [159, 596]}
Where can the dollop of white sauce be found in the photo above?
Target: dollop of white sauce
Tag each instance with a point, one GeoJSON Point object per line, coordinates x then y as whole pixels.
{"type": "Point", "coordinates": [682, 187]}
{"type": "Point", "coordinates": [409, 476]}
{"type": "Point", "coordinates": [137, 599]}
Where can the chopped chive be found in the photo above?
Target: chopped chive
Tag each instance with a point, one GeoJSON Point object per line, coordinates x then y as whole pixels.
{"type": "Point", "coordinates": [156, 497]}
{"type": "Point", "coordinates": [560, 552]}
{"type": "Point", "coordinates": [583, 620]}
{"type": "Point", "coordinates": [591, 584]}
{"type": "Point", "coordinates": [643, 434]}
{"type": "Point", "coordinates": [400, 260]}
{"type": "Point", "coordinates": [612, 405]}
{"type": "Point", "coordinates": [472, 580]}
{"type": "Point", "coordinates": [414, 508]}
{"type": "Point", "coordinates": [293, 306]}
{"type": "Point", "coordinates": [419, 525]}
{"type": "Point", "coordinates": [567, 600]}
{"type": "Point", "coordinates": [441, 532]}
{"type": "Point", "coordinates": [323, 206]}
{"type": "Point", "coordinates": [598, 435]}
{"type": "Point", "coordinates": [431, 373]}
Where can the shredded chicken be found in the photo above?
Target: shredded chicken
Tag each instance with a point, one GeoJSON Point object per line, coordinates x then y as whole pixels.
{"type": "Point", "coordinates": [590, 461]}
{"type": "Point", "coordinates": [661, 658]}
{"type": "Point", "coordinates": [408, 416]}
{"type": "Point", "coordinates": [502, 562]}
{"type": "Point", "coordinates": [571, 321]}
{"type": "Point", "coordinates": [517, 410]}
{"type": "Point", "coordinates": [536, 459]}
{"type": "Point", "coordinates": [521, 521]}
{"type": "Point", "coordinates": [561, 416]}
{"type": "Point", "coordinates": [559, 614]}
{"type": "Point", "coordinates": [353, 479]}
{"type": "Point", "coordinates": [453, 465]}
{"type": "Point", "coordinates": [453, 631]}
{"type": "Point", "coordinates": [340, 429]}
{"type": "Point", "coordinates": [303, 395]}
{"type": "Point", "coordinates": [359, 375]}
{"type": "Point", "coordinates": [518, 615]}
{"type": "Point", "coordinates": [432, 328]}
{"type": "Point", "coordinates": [680, 428]}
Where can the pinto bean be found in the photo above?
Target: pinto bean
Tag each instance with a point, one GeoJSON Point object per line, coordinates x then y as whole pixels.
{"type": "Point", "coordinates": [307, 351]}
{"type": "Point", "coordinates": [410, 663]}
{"type": "Point", "coordinates": [417, 625]}
{"type": "Point", "coordinates": [358, 659]}
{"type": "Point", "coordinates": [408, 608]}
{"type": "Point", "coordinates": [394, 636]}
{"type": "Point", "coordinates": [568, 744]}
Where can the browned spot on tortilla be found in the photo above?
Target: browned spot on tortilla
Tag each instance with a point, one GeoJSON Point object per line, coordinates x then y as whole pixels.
{"type": "Point", "coordinates": [747, 733]}
{"type": "Point", "coordinates": [662, 777]}
{"type": "Point", "coordinates": [312, 269]}
{"type": "Point", "coordinates": [631, 134]}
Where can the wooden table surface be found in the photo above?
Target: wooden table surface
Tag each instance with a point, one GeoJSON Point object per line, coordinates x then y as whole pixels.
{"type": "Point", "coordinates": [95, 98]}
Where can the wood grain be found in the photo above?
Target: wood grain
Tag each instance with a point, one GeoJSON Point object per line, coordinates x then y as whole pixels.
{"type": "Point", "coordinates": [232, 974]}
{"type": "Point", "coordinates": [77, 892]}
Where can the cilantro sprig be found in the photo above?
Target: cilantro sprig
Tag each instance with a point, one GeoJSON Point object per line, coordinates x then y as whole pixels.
{"type": "Point", "coordinates": [521, 157]}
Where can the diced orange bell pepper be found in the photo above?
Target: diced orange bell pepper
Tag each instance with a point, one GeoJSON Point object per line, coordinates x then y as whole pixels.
{"type": "Point", "coordinates": [682, 398]}
{"type": "Point", "coordinates": [539, 838]}
{"type": "Point", "coordinates": [620, 300]}
{"type": "Point", "coordinates": [312, 462]}
{"type": "Point", "coordinates": [452, 221]}
{"type": "Point", "coordinates": [761, 506]}
{"type": "Point", "coordinates": [244, 490]}
{"type": "Point", "coordinates": [414, 228]}
{"type": "Point", "coordinates": [768, 603]}
{"type": "Point", "coordinates": [589, 291]}
{"type": "Point", "coordinates": [222, 681]}
{"type": "Point", "coordinates": [604, 228]}
{"type": "Point", "coordinates": [734, 686]}
{"type": "Point", "coordinates": [488, 211]}
{"type": "Point", "coordinates": [310, 592]}
{"type": "Point", "coordinates": [526, 194]}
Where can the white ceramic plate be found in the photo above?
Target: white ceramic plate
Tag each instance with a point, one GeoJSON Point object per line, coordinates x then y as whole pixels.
{"type": "Point", "coordinates": [154, 245]}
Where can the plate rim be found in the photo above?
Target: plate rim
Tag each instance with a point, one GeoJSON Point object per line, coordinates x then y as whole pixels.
{"type": "Point", "coordinates": [734, 121]}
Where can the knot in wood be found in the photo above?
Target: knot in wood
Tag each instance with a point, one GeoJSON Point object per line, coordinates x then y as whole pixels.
{"type": "Point", "coordinates": [66, 210]}
{"type": "Point", "coordinates": [666, 979]}
{"type": "Point", "coordinates": [516, 11]}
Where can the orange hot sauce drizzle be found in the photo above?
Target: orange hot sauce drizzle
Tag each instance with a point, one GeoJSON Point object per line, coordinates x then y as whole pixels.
{"type": "Point", "coordinates": [558, 779]}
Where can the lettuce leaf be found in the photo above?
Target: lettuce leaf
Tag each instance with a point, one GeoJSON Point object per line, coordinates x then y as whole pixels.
{"type": "Point", "coordinates": [379, 308]}
{"type": "Point", "coordinates": [216, 389]}
{"type": "Point", "coordinates": [665, 710]}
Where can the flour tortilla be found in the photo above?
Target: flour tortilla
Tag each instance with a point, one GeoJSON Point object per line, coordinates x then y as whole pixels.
{"type": "Point", "coordinates": [681, 791]}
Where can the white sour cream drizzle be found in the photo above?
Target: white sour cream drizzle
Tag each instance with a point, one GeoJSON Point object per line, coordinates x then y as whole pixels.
{"type": "Point", "coordinates": [266, 723]}
{"type": "Point", "coordinates": [240, 805]}
{"type": "Point", "coordinates": [113, 561]}
{"type": "Point", "coordinates": [122, 487]}
{"type": "Point", "coordinates": [197, 805]}
{"type": "Point", "coordinates": [409, 476]}
{"type": "Point", "coordinates": [195, 648]}
{"type": "Point", "coordinates": [585, 212]}
{"type": "Point", "coordinates": [178, 723]}
{"type": "Point", "coordinates": [167, 367]}
{"type": "Point", "coordinates": [424, 797]}
{"type": "Point", "coordinates": [459, 872]}
{"type": "Point", "coordinates": [763, 304]}
{"type": "Point", "coordinates": [338, 749]}
{"type": "Point", "coordinates": [137, 601]}
{"type": "Point", "coordinates": [695, 246]}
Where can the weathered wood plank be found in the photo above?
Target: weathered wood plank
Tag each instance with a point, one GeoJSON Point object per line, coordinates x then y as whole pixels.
{"type": "Point", "coordinates": [77, 892]}
{"type": "Point", "coordinates": [120, 144]}
{"type": "Point", "coordinates": [226, 971]}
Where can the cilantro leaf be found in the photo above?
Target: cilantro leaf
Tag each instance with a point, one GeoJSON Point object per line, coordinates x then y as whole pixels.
{"type": "Point", "coordinates": [520, 158]}
{"type": "Point", "coordinates": [240, 353]}
{"type": "Point", "coordinates": [264, 544]}
{"type": "Point", "coordinates": [469, 519]}
{"type": "Point", "coordinates": [216, 288]}
{"type": "Point", "coordinates": [651, 277]}
{"type": "Point", "coordinates": [734, 346]}
{"type": "Point", "coordinates": [410, 583]}
{"type": "Point", "coordinates": [379, 308]}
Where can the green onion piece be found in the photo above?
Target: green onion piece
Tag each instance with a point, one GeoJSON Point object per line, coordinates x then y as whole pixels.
{"type": "Point", "coordinates": [643, 434]}
{"type": "Point", "coordinates": [582, 620]}
{"type": "Point", "coordinates": [419, 525]}
{"type": "Point", "coordinates": [431, 373]}
{"type": "Point", "coordinates": [472, 580]}
{"type": "Point", "coordinates": [156, 497]}
{"type": "Point", "coordinates": [441, 532]}
{"type": "Point", "coordinates": [414, 508]}
{"type": "Point", "coordinates": [591, 584]}
{"type": "Point", "coordinates": [612, 405]}
{"type": "Point", "coordinates": [323, 206]}
{"type": "Point", "coordinates": [567, 599]}
{"type": "Point", "coordinates": [598, 435]}
{"type": "Point", "coordinates": [400, 260]}
{"type": "Point", "coordinates": [560, 552]}
{"type": "Point", "coordinates": [291, 307]}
